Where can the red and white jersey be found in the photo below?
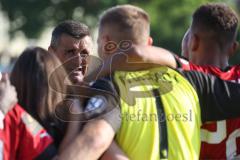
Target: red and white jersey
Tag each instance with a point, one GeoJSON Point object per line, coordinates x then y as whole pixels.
{"type": "Point", "coordinates": [21, 137]}
{"type": "Point", "coordinates": [221, 139]}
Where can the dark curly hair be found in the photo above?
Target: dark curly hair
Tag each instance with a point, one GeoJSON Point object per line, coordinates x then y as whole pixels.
{"type": "Point", "coordinates": [217, 18]}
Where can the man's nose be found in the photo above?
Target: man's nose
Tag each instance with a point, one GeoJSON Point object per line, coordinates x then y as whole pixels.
{"type": "Point", "coordinates": [80, 60]}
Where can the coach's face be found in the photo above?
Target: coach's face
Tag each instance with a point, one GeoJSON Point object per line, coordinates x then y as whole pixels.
{"type": "Point", "coordinates": [73, 54]}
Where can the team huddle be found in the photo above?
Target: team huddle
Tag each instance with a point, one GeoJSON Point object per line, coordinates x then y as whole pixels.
{"type": "Point", "coordinates": [135, 101]}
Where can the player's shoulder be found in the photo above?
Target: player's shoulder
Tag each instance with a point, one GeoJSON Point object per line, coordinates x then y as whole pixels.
{"type": "Point", "coordinates": [233, 71]}
{"type": "Point", "coordinates": [182, 60]}
{"type": "Point", "coordinates": [184, 64]}
{"type": "Point", "coordinates": [105, 84]}
{"type": "Point", "coordinates": [104, 99]}
{"type": "Point", "coordinates": [236, 67]}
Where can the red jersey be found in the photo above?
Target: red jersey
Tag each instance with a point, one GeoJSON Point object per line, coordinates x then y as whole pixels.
{"type": "Point", "coordinates": [21, 137]}
{"type": "Point", "coordinates": [221, 139]}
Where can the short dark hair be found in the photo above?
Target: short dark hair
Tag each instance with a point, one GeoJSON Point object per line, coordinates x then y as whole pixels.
{"type": "Point", "coordinates": [217, 18]}
{"type": "Point", "coordinates": [75, 29]}
{"type": "Point", "coordinates": [130, 21]}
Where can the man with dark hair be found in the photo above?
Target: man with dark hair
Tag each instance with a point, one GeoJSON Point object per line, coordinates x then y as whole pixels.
{"type": "Point", "coordinates": [214, 31]}
{"type": "Point", "coordinates": [71, 41]}
{"type": "Point", "coordinates": [210, 40]}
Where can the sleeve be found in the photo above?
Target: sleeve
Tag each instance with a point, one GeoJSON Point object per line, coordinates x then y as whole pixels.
{"type": "Point", "coordinates": [183, 63]}
{"type": "Point", "coordinates": [104, 103]}
{"type": "Point", "coordinates": [36, 142]}
{"type": "Point", "coordinates": [218, 99]}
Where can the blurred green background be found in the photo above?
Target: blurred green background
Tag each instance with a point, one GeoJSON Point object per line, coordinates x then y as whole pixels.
{"type": "Point", "coordinates": [169, 18]}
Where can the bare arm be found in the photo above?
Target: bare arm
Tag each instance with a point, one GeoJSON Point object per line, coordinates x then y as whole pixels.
{"type": "Point", "coordinates": [152, 55]}
{"type": "Point", "coordinates": [95, 138]}
{"type": "Point", "coordinates": [114, 152]}
{"type": "Point", "coordinates": [73, 127]}
{"type": "Point", "coordinates": [136, 58]}
{"type": "Point", "coordinates": [98, 132]}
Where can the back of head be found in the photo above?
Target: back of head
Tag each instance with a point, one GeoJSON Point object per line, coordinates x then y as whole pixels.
{"type": "Point", "coordinates": [216, 20]}
{"type": "Point", "coordinates": [30, 76]}
{"type": "Point", "coordinates": [73, 28]}
{"type": "Point", "coordinates": [126, 22]}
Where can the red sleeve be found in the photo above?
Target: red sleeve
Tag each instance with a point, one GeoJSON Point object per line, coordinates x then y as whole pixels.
{"type": "Point", "coordinates": [33, 137]}
{"type": "Point", "coordinates": [188, 66]}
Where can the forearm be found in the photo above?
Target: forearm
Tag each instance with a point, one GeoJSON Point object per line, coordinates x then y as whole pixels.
{"type": "Point", "coordinates": [91, 143]}
{"type": "Point", "coordinates": [141, 57]}
{"type": "Point", "coordinates": [114, 152]}
{"type": "Point", "coordinates": [74, 125]}
{"type": "Point", "coordinates": [72, 132]}
{"type": "Point", "coordinates": [156, 55]}
{"type": "Point", "coordinates": [137, 58]}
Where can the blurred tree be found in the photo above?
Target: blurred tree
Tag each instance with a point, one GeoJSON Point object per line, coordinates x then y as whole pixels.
{"type": "Point", "coordinates": [169, 18]}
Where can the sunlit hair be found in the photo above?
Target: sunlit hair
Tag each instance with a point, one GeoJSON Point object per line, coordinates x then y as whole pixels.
{"type": "Point", "coordinates": [127, 22]}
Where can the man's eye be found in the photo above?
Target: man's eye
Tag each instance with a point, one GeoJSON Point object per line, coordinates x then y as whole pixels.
{"type": "Point", "coordinates": [84, 54]}
{"type": "Point", "coordinates": [71, 52]}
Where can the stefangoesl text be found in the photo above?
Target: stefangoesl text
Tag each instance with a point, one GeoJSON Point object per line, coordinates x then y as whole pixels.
{"type": "Point", "coordinates": [144, 117]}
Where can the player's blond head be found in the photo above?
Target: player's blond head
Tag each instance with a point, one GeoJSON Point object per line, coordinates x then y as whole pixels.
{"type": "Point", "coordinates": [126, 22]}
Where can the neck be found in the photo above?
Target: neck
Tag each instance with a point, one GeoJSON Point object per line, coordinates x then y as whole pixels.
{"type": "Point", "coordinates": [212, 56]}
{"type": "Point", "coordinates": [221, 63]}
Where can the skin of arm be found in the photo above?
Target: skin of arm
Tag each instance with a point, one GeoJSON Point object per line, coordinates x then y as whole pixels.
{"type": "Point", "coordinates": [73, 127]}
{"type": "Point", "coordinates": [152, 54]}
{"type": "Point", "coordinates": [90, 144]}
{"type": "Point", "coordinates": [114, 152]}
{"type": "Point", "coordinates": [138, 57]}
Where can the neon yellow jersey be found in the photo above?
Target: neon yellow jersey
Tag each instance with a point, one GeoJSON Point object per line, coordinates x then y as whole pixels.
{"type": "Point", "coordinates": [160, 115]}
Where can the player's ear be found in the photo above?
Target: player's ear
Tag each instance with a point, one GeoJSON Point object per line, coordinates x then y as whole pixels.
{"type": "Point", "coordinates": [233, 48]}
{"type": "Point", "coordinates": [195, 42]}
{"type": "Point", "coordinates": [150, 41]}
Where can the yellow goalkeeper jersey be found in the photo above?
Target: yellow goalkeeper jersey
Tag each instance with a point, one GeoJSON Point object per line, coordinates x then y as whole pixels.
{"type": "Point", "coordinates": [160, 115]}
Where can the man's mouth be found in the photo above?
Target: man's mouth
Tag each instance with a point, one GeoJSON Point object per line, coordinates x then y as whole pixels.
{"type": "Point", "coordinates": [78, 73]}
{"type": "Point", "coordinates": [81, 69]}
